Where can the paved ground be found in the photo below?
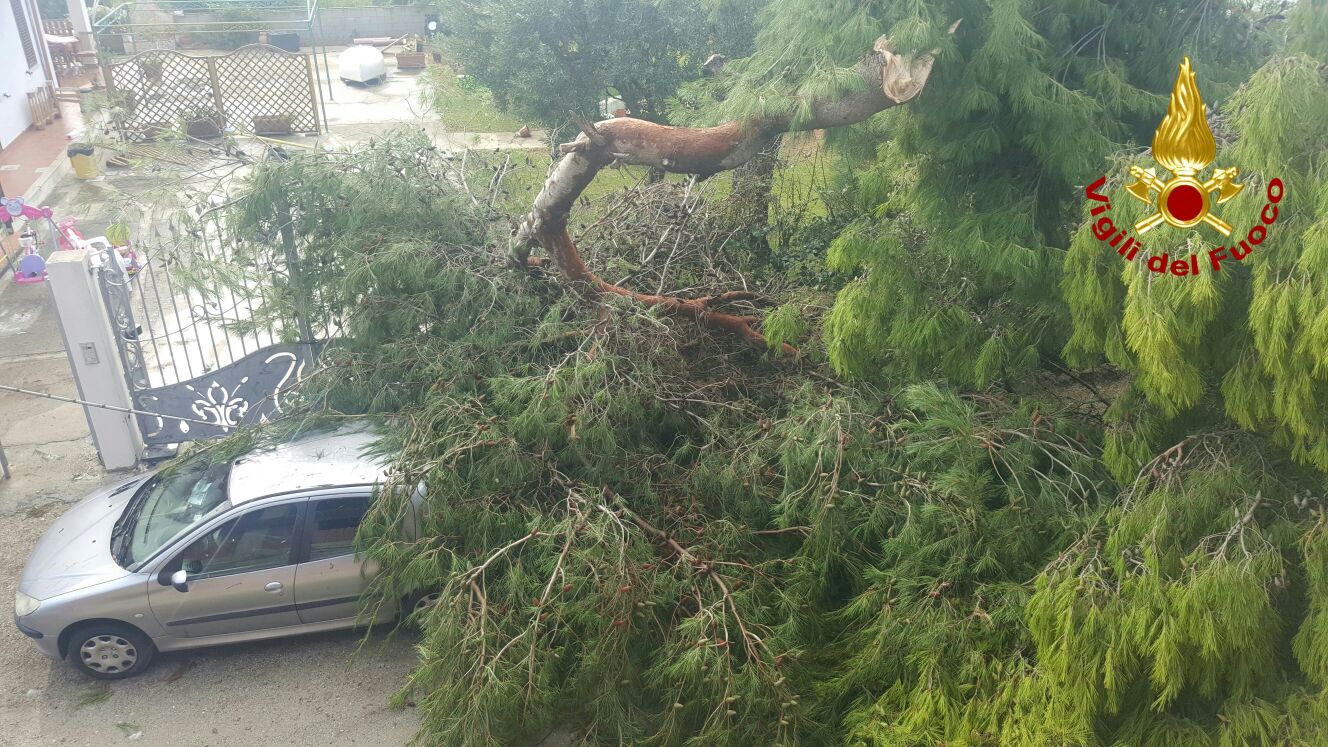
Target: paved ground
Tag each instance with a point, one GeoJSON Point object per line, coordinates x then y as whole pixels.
{"type": "Point", "coordinates": [358, 112]}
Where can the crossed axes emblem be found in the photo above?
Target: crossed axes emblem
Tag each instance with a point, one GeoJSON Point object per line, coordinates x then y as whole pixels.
{"type": "Point", "coordinates": [1183, 201]}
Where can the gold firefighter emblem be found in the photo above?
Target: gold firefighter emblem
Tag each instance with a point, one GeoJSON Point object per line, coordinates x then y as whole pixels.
{"type": "Point", "coordinates": [1184, 144]}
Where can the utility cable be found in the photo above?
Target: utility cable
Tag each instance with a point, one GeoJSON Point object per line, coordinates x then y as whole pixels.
{"type": "Point", "coordinates": [112, 408]}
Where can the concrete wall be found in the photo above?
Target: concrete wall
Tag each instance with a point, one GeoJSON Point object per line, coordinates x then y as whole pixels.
{"type": "Point", "coordinates": [338, 25]}
{"type": "Point", "coordinates": [15, 77]}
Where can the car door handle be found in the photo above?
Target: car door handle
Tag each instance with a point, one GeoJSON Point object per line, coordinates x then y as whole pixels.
{"type": "Point", "coordinates": [273, 586]}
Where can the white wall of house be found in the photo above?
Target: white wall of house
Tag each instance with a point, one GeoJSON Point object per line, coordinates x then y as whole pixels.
{"type": "Point", "coordinates": [16, 78]}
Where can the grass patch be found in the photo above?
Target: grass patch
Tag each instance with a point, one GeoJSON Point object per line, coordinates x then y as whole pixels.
{"type": "Point", "coordinates": [528, 170]}
{"type": "Point", "coordinates": [464, 105]}
{"type": "Point", "coordinates": [796, 184]}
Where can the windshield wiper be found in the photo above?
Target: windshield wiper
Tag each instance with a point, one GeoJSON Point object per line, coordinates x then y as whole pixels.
{"type": "Point", "coordinates": [124, 526]}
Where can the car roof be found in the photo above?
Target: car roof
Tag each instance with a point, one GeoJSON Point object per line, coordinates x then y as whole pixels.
{"type": "Point", "coordinates": [324, 460]}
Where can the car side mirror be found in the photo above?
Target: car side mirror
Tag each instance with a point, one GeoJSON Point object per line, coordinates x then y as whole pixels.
{"type": "Point", "coordinates": [180, 580]}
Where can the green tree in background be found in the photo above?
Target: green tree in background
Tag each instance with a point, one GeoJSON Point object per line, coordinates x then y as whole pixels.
{"type": "Point", "coordinates": [542, 58]}
{"type": "Point", "coordinates": [52, 9]}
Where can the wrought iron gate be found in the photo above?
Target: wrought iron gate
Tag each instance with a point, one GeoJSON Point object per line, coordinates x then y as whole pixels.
{"type": "Point", "coordinates": [183, 355]}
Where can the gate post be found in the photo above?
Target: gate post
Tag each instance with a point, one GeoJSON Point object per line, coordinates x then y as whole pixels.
{"type": "Point", "coordinates": [93, 358]}
{"type": "Point", "coordinates": [217, 101]}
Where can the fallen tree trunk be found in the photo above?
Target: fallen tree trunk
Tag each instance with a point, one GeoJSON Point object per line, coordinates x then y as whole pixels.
{"type": "Point", "coordinates": [889, 80]}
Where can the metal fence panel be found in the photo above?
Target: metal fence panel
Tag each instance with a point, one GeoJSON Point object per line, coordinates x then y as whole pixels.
{"type": "Point", "coordinates": [263, 86]}
{"type": "Point", "coordinates": [257, 89]}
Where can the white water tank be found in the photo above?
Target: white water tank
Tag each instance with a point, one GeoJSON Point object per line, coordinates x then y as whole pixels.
{"type": "Point", "coordinates": [361, 64]}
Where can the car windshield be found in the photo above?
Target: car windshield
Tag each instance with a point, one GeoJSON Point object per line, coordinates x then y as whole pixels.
{"type": "Point", "coordinates": [171, 503]}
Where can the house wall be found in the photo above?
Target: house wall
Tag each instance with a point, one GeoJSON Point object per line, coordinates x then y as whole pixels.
{"type": "Point", "coordinates": [15, 77]}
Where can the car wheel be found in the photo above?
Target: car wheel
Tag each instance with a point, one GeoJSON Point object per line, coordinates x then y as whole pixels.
{"type": "Point", "coordinates": [417, 607]}
{"type": "Point", "coordinates": [110, 651]}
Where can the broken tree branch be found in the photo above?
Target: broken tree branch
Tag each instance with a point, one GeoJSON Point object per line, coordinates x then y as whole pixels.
{"type": "Point", "coordinates": [890, 80]}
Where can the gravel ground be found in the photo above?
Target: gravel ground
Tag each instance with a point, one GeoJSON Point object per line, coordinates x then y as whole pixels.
{"type": "Point", "coordinates": [308, 690]}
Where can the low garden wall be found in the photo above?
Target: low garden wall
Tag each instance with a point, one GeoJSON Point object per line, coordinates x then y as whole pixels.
{"type": "Point", "coordinates": [335, 26]}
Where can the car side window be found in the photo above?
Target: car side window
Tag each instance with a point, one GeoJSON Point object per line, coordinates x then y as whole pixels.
{"type": "Point", "coordinates": [257, 540]}
{"type": "Point", "coordinates": [334, 523]}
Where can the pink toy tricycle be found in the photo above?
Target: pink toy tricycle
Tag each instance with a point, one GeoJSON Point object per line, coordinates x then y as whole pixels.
{"type": "Point", "coordinates": [71, 238]}
{"type": "Point", "coordinates": [31, 267]}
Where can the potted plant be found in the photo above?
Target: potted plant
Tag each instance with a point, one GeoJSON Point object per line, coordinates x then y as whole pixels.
{"type": "Point", "coordinates": [202, 122]}
{"type": "Point", "coordinates": [151, 69]}
{"type": "Point", "coordinates": [412, 56]}
{"type": "Point", "coordinates": [118, 234]}
{"type": "Point", "coordinates": [273, 124]}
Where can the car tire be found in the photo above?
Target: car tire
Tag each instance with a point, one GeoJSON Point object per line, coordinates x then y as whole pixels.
{"type": "Point", "coordinates": [414, 608]}
{"type": "Point", "coordinates": [110, 651]}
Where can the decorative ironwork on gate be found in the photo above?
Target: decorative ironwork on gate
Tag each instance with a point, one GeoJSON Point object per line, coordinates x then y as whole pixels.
{"type": "Point", "coordinates": [247, 391]}
{"type": "Point", "coordinates": [193, 354]}
{"type": "Point", "coordinates": [256, 89]}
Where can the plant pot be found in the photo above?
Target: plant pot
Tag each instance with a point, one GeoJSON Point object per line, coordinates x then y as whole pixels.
{"type": "Point", "coordinates": [151, 72]}
{"type": "Point", "coordinates": [203, 129]}
{"type": "Point", "coordinates": [112, 43]}
{"type": "Point", "coordinates": [287, 40]}
{"type": "Point", "coordinates": [269, 125]}
{"type": "Point", "coordinates": [411, 60]}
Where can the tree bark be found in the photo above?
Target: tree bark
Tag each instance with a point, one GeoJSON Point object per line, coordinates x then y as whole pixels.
{"type": "Point", "coordinates": [889, 79]}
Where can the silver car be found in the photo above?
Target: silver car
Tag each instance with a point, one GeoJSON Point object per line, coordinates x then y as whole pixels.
{"type": "Point", "coordinates": [201, 554]}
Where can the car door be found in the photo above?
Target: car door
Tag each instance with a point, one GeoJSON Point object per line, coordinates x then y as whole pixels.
{"type": "Point", "coordinates": [241, 576]}
{"type": "Point", "coordinates": [329, 580]}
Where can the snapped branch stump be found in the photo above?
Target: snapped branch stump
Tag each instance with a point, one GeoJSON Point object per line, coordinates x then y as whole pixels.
{"type": "Point", "coordinates": [889, 80]}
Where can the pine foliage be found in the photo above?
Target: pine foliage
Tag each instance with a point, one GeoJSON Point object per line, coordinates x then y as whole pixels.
{"type": "Point", "coordinates": [660, 539]}
{"type": "Point", "coordinates": [1188, 613]}
{"type": "Point", "coordinates": [650, 535]}
{"type": "Point", "coordinates": [964, 212]}
{"type": "Point", "coordinates": [1249, 341]}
